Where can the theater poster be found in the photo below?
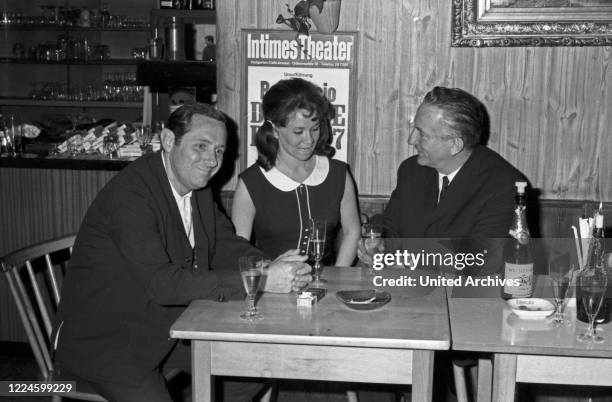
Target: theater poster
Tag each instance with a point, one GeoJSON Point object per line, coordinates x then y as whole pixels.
{"type": "Point", "coordinates": [326, 60]}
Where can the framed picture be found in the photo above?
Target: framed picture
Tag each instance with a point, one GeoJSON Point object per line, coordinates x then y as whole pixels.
{"type": "Point", "coordinates": [482, 23]}
{"type": "Point", "coordinates": [329, 61]}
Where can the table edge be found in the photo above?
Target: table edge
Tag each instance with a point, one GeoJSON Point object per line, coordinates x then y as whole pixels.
{"type": "Point", "coordinates": [443, 344]}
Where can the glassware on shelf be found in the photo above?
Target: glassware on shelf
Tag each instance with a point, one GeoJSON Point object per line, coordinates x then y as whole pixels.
{"type": "Point", "coordinates": [144, 137]}
{"type": "Point", "coordinates": [100, 52]}
{"type": "Point", "coordinates": [104, 15]}
{"type": "Point", "coordinates": [111, 145]}
{"type": "Point", "coordinates": [19, 50]}
{"type": "Point", "coordinates": [75, 145]}
{"type": "Point", "coordinates": [139, 53]}
{"type": "Point", "coordinates": [12, 136]}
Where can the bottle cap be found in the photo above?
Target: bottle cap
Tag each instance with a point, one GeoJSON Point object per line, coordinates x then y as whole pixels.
{"type": "Point", "coordinates": [520, 186]}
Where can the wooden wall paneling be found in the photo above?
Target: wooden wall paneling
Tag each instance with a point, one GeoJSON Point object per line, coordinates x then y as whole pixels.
{"type": "Point", "coordinates": [37, 205]}
{"type": "Point", "coordinates": [372, 82]}
{"type": "Point", "coordinates": [549, 107]}
{"type": "Point", "coordinates": [228, 84]}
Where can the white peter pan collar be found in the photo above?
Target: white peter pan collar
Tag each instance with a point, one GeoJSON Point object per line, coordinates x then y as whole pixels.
{"type": "Point", "coordinates": [285, 183]}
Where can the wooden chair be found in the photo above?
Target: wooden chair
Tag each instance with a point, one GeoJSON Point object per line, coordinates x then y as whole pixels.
{"type": "Point", "coordinates": [34, 275]}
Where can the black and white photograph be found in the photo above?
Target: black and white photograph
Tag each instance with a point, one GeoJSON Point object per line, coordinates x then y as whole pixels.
{"type": "Point", "coordinates": [306, 200]}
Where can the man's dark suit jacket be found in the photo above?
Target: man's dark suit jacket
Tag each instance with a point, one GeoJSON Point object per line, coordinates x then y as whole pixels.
{"type": "Point", "coordinates": [133, 272]}
{"type": "Point", "coordinates": [478, 205]}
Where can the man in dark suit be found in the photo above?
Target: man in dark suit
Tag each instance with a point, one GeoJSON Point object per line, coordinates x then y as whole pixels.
{"type": "Point", "coordinates": [152, 241]}
{"type": "Point", "coordinates": [455, 188]}
{"type": "Point", "coordinates": [479, 198]}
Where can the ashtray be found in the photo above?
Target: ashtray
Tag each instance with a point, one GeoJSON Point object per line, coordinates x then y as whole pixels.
{"type": "Point", "coordinates": [368, 299]}
{"type": "Point", "coordinates": [531, 309]}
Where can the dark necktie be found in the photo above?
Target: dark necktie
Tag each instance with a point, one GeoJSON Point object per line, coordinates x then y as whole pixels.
{"type": "Point", "coordinates": [445, 184]}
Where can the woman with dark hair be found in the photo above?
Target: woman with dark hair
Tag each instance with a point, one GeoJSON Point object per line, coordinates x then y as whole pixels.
{"type": "Point", "coordinates": [294, 178]}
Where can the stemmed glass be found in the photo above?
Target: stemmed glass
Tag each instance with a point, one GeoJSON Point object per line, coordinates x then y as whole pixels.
{"type": "Point", "coordinates": [316, 247]}
{"type": "Point", "coordinates": [251, 271]}
{"type": "Point", "coordinates": [561, 273]}
{"type": "Point", "coordinates": [593, 284]}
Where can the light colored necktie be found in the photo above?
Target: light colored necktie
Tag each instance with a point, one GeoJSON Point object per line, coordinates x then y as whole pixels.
{"type": "Point", "coordinates": [188, 220]}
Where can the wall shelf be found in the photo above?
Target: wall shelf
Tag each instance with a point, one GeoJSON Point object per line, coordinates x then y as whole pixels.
{"type": "Point", "coordinates": [109, 62]}
{"type": "Point", "coordinates": [188, 16]}
{"type": "Point", "coordinates": [161, 74]}
{"type": "Point", "coordinates": [48, 27]}
{"type": "Point", "coordinates": [8, 101]}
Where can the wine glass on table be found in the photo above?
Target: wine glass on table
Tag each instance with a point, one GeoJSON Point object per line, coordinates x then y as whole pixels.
{"type": "Point", "coordinates": [561, 272]}
{"type": "Point", "coordinates": [593, 284]}
{"type": "Point", "coordinates": [251, 271]}
{"type": "Point", "coordinates": [316, 247]}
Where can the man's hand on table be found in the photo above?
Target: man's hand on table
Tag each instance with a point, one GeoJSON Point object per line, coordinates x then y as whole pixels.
{"type": "Point", "coordinates": [288, 272]}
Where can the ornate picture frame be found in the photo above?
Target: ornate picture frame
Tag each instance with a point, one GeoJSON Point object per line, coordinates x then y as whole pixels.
{"type": "Point", "coordinates": [490, 23]}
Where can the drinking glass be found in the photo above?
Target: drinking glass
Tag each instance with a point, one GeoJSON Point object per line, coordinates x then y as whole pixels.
{"type": "Point", "coordinates": [371, 236]}
{"type": "Point", "coordinates": [316, 247]}
{"type": "Point", "coordinates": [110, 145]}
{"type": "Point", "coordinates": [561, 274]}
{"type": "Point", "coordinates": [75, 145]}
{"type": "Point", "coordinates": [251, 271]}
{"type": "Point", "coordinates": [13, 136]}
{"type": "Point", "coordinates": [144, 136]}
{"type": "Point", "coordinates": [593, 284]}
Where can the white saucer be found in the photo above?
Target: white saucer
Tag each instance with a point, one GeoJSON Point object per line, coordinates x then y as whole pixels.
{"type": "Point", "coordinates": [531, 309]}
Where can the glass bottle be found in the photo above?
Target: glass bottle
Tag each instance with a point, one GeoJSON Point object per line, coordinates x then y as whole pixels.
{"type": "Point", "coordinates": [175, 39]}
{"type": "Point", "coordinates": [518, 262]}
{"type": "Point", "coordinates": [595, 260]}
{"type": "Point", "coordinates": [156, 47]}
{"type": "Point", "coordinates": [2, 137]}
{"type": "Point", "coordinates": [104, 15]}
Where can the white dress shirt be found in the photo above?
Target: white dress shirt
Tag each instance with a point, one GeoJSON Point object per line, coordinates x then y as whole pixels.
{"type": "Point", "coordinates": [450, 176]}
{"type": "Point", "coordinates": [184, 207]}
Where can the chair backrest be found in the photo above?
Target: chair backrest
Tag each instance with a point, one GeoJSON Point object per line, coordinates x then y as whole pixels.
{"type": "Point", "coordinates": [34, 275]}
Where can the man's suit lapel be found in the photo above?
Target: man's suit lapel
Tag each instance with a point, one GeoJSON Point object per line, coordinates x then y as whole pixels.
{"type": "Point", "coordinates": [204, 223]}
{"type": "Point", "coordinates": [457, 194]}
{"type": "Point", "coordinates": [430, 197]}
{"type": "Point", "coordinates": [158, 168]}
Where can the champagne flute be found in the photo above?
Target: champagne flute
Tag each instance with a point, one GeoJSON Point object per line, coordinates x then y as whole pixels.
{"type": "Point", "coordinates": [316, 247]}
{"type": "Point", "coordinates": [593, 284]}
{"type": "Point", "coordinates": [251, 271]}
{"type": "Point", "coordinates": [560, 272]}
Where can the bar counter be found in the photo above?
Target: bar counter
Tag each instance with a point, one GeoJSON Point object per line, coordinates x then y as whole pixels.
{"type": "Point", "coordinates": [33, 161]}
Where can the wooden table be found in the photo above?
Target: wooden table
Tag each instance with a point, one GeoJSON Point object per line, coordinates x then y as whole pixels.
{"type": "Point", "coordinates": [524, 350]}
{"type": "Point", "coordinates": [328, 342]}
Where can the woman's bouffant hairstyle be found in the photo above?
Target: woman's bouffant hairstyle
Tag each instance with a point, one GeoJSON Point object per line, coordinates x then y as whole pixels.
{"type": "Point", "coordinates": [279, 104]}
